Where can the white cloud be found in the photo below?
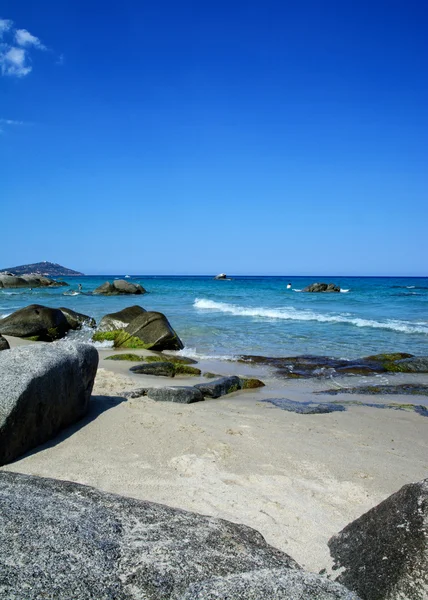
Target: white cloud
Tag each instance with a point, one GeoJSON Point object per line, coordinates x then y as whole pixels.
{"type": "Point", "coordinates": [10, 122]}
{"type": "Point", "coordinates": [14, 62]}
{"type": "Point", "coordinates": [5, 25]}
{"type": "Point", "coordinates": [25, 38]}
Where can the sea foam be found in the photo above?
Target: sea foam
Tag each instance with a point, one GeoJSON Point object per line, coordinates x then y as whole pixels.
{"type": "Point", "coordinates": [292, 314]}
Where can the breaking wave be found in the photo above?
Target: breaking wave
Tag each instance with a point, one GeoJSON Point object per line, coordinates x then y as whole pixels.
{"type": "Point", "coordinates": [292, 314]}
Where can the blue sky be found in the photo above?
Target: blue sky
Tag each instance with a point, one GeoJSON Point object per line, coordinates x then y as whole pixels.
{"type": "Point", "coordinates": [194, 137]}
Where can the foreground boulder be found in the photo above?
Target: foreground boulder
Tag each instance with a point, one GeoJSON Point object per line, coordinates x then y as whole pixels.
{"type": "Point", "coordinates": [37, 322]}
{"type": "Point", "coordinates": [383, 555]}
{"type": "Point", "coordinates": [119, 286]}
{"type": "Point", "coordinates": [4, 344]}
{"type": "Point", "coordinates": [120, 319]}
{"type": "Point", "coordinates": [63, 541]}
{"type": "Point", "coordinates": [43, 388]}
{"type": "Point", "coordinates": [154, 330]}
{"type": "Point", "coordinates": [322, 287]}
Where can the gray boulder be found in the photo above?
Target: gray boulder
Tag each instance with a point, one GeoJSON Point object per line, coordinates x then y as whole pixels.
{"type": "Point", "coordinates": [77, 320]}
{"type": "Point", "coordinates": [43, 388]}
{"type": "Point", "coordinates": [154, 329]}
{"type": "Point", "coordinates": [4, 344]}
{"type": "Point", "coordinates": [119, 286]}
{"type": "Point", "coordinates": [182, 395]}
{"type": "Point", "coordinates": [120, 319]}
{"type": "Point", "coordinates": [36, 321]}
{"type": "Point", "coordinates": [383, 555]}
{"type": "Point", "coordinates": [220, 387]}
{"type": "Point", "coordinates": [322, 287]}
{"type": "Point", "coordinates": [165, 369]}
{"type": "Point", "coordinates": [31, 280]}
{"type": "Point", "coordinates": [415, 364]}
{"type": "Point", "coordinates": [64, 541]}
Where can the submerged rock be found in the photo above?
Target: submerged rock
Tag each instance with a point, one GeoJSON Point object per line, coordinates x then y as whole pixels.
{"type": "Point", "coordinates": [82, 544]}
{"type": "Point", "coordinates": [412, 389]}
{"type": "Point", "coordinates": [35, 321]}
{"type": "Point", "coordinates": [220, 387]}
{"type": "Point", "coordinates": [4, 344]}
{"type": "Point", "coordinates": [304, 408]}
{"type": "Point", "coordinates": [322, 287]}
{"type": "Point", "coordinates": [43, 388]}
{"type": "Point", "coordinates": [119, 286]}
{"type": "Point", "coordinates": [120, 319]}
{"type": "Point", "coordinates": [383, 555]}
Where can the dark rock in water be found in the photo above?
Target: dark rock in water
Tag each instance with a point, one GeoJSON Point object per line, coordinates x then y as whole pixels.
{"type": "Point", "coordinates": [322, 287]}
{"type": "Point", "coordinates": [32, 280]}
{"type": "Point", "coordinates": [120, 319]}
{"type": "Point", "coordinates": [36, 321]}
{"type": "Point", "coordinates": [220, 387]}
{"type": "Point", "coordinates": [163, 369]}
{"type": "Point", "coordinates": [304, 408]}
{"type": "Point", "coordinates": [250, 383]}
{"type": "Point", "coordinates": [270, 584]}
{"type": "Point", "coordinates": [4, 344]}
{"type": "Point", "coordinates": [77, 320]}
{"type": "Point", "coordinates": [43, 388]}
{"type": "Point", "coordinates": [412, 389]}
{"type": "Point", "coordinates": [154, 329]}
{"type": "Point", "coordinates": [415, 364]}
{"type": "Point", "coordinates": [383, 555]}
{"type": "Point", "coordinates": [119, 286]}
{"type": "Point", "coordinates": [64, 541]}
{"type": "Point", "coordinates": [182, 395]}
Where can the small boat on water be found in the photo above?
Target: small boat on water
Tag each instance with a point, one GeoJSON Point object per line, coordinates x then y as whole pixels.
{"type": "Point", "coordinates": [223, 277]}
{"type": "Point", "coordinates": [127, 276]}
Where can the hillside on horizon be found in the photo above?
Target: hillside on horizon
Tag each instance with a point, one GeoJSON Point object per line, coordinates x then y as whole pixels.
{"type": "Point", "coordinates": [42, 268]}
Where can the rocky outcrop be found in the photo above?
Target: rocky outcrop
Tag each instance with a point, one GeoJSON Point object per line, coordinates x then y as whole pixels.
{"type": "Point", "coordinates": [37, 322]}
{"type": "Point", "coordinates": [154, 330]}
{"type": "Point", "coordinates": [81, 543]}
{"type": "Point", "coordinates": [220, 387]}
{"type": "Point", "coordinates": [383, 555]}
{"type": "Point", "coordinates": [120, 319]}
{"type": "Point", "coordinates": [119, 286]}
{"type": "Point", "coordinates": [77, 320]}
{"type": "Point", "coordinates": [32, 280]}
{"type": "Point", "coordinates": [43, 388]}
{"type": "Point", "coordinates": [413, 364]}
{"type": "Point", "coordinates": [4, 344]}
{"type": "Point", "coordinates": [48, 269]}
{"type": "Point", "coordinates": [322, 287]}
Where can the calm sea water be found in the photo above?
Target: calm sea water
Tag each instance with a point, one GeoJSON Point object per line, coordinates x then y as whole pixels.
{"type": "Point", "coordinates": [258, 315]}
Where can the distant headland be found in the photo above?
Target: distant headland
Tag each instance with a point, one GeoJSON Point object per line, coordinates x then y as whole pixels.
{"type": "Point", "coordinates": [48, 269]}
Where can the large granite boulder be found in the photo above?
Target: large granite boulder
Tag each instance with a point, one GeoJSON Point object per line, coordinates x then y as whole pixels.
{"type": "Point", "coordinates": [120, 319]}
{"type": "Point", "coordinates": [35, 321]}
{"type": "Point", "coordinates": [77, 320]}
{"type": "Point", "coordinates": [383, 555]}
{"type": "Point", "coordinates": [322, 287]}
{"type": "Point", "coordinates": [4, 344]}
{"type": "Point", "coordinates": [119, 286]}
{"type": "Point", "coordinates": [64, 541]}
{"type": "Point", "coordinates": [154, 329]}
{"type": "Point", "coordinates": [43, 388]}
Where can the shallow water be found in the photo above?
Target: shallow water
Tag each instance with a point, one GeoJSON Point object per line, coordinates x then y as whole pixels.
{"type": "Point", "coordinates": [259, 315]}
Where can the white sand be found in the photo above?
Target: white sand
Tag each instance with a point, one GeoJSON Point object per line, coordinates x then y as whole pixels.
{"type": "Point", "coordinates": [298, 479]}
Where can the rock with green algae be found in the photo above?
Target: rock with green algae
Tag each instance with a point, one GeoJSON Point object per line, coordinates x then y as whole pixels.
{"type": "Point", "coordinates": [154, 330]}
{"type": "Point", "coordinates": [162, 369]}
{"type": "Point", "coordinates": [250, 383]}
{"type": "Point", "coordinates": [125, 357]}
{"type": "Point", "coordinates": [186, 370]}
{"type": "Point", "coordinates": [120, 319]}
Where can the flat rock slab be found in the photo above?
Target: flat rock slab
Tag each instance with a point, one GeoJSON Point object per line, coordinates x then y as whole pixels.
{"type": "Point", "coordinates": [180, 394]}
{"type": "Point", "coordinates": [304, 408]}
{"type": "Point", "coordinates": [220, 387]}
{"type": "Point", "coordinates": [409, 389]}
{"type": "Point", "coordinates": [43, 388]}
{"type": "Point", "coordinates": [383, 555]}
{"type": "Point", "coordinates": [163, 369]}
{"type": "Point", "coordinates": [65, 541]}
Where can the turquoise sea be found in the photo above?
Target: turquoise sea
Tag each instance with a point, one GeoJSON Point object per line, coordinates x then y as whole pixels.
{"type": "Point", "coordinates": [259, 315]}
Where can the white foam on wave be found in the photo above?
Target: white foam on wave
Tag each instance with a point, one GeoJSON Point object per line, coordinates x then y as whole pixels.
{"type": "Point", "coordinates": [4, 315]}
{"type": "Point", "coordinates": [344, 291]}
{"type": "Point", "coordinates": [193, 353]}
{"type": "Point", "coordinates": [292, 314]}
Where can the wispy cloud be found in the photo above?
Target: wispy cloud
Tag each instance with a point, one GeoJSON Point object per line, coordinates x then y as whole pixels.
{"type": "Point", "coordinates": [15, 59]}
{"type": "Point", "coordinates": [5, 123]}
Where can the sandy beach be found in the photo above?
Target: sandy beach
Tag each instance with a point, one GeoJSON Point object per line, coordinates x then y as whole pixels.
{"type": "Point", "coordinates": [297, 479]}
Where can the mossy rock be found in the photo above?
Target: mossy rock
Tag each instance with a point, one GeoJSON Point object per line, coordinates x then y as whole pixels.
{"type": "Point", "coordinates": [109, 336]}
{"type": "Point", "coordinates": [251, 383]}
{"type": "Point", "coordinates": [388, 361]}
{"type": "Point", "coordinates": [210, 375]}
{"type": "Point", "coordinates": [131, 357]}
{"type": "Point", "coordinates": [33, 338]}
{"type": "Point", "coordinates": [126, 340]}
{"type": "Point", "coordinates": [152, 359]}
{"type": "Point", "coordinates": [186, 370]}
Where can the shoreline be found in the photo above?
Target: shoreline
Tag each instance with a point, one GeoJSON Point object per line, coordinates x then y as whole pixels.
{"type": "Point", "coordinates": [297, 479]}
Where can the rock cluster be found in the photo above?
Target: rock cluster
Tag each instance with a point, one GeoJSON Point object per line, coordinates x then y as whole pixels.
{"type": "Point", "coordinates": [32, 280]}
{"type": "Point", "coordinates": [118, 287]}
{"type": "Point", "coordinates": [322, 287]}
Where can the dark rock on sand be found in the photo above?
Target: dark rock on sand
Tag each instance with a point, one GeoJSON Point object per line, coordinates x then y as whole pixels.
{"type": "Point", "coordinates": [250, 383]}
{"type": "Point", "coordinates": [414, 364]}
{"type": "Point", "coordinates": [119, 286]}
{"type": "Point", "coordinates": [322, 287]}
{"type": "Point", "coordinates": [304, 408]}
{"type": "Point", "coordinates": [120, 319]}
{"type": "Point", "coordinates": [411, 389]}
{"type": "Point", "coordinates": [36, 321]}
{"type": "Point", "coordinates": [220, 387]}
{"type": "Point", "coordinates": [4, 344]}
{"type": "Point", "coordinates": [383, 555]}
{"type": "Point", "coordinates": [125, 357]}
{"type": "Point", "coordinates": [77, 320]}
{"type": "Point", "coordinates": [61, 540]}
{"type": "Point", "coordinates": [154, 329]}
{"type": "Point", "coordinates": [163, 369]}
{"type": "Point", "coordinates": [182, 395]}
{"type": "Point", "coordinates": [43, 388]}
{"type": "Point", "coordinates": [184, 360]}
